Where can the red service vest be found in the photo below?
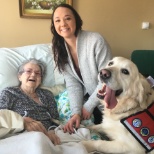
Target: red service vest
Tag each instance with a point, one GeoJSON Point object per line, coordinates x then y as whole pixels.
{"type": "Point", "coordinates": [141, 126]}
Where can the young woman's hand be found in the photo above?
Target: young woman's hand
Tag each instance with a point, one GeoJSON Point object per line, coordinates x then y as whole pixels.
{"type": "Point", "coordinates": [85, 114]}
{"type": "Point", "coordinates": [74, 122]}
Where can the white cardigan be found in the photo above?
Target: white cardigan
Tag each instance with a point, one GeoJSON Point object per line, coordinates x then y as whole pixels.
{"type": "Point", "coordinates": [93, 54]}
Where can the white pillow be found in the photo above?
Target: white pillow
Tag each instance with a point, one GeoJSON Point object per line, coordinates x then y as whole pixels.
{"type": "Point", "coordinates": [11, 58]}
{"type": "Point", "coordinates": [56, 89]}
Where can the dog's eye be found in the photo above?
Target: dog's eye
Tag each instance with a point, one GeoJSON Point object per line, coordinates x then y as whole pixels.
{"type": "Point", "coordinates": [124, 71]}
{"type": "Point", "coordinates": [110, 63]}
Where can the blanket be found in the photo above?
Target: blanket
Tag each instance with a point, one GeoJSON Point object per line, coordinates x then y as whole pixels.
{"type": "Point", "coordinates": [38, 143]}
{"type": "Point", "coordinates": [10, 123]}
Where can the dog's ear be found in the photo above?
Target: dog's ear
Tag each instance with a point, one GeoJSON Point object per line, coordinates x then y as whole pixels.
{"type": "Point", "coordinates": [146, 93]}
{"type": "Point", "coordinates": [143, 90]}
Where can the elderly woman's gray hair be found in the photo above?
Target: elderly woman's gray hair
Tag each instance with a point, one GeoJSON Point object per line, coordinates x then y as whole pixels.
{"type": "Point", "coordinates": [34, 61]}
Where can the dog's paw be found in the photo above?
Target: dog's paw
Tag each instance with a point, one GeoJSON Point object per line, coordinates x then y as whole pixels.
{"type": "Point", "coordinates": [89, 145]}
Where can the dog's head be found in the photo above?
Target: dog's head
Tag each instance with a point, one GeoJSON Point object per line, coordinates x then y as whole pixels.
{"type": "Point", "coordinates": [125, 88]}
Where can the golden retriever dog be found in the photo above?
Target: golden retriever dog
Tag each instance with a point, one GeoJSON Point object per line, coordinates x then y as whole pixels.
{"type": "Point", "coordinates": [128, 100]}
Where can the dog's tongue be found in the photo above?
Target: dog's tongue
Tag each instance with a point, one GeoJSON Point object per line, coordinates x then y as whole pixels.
{"type": "Point", "coordinates": [109, 97]}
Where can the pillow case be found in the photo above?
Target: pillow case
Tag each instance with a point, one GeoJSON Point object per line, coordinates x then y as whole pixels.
{"type": "Point", "coordinates": [11, 58]}
{"type": "Point", "coordinates": [56, 90]}
{"type": "Point", "coordinates": [63, 106]}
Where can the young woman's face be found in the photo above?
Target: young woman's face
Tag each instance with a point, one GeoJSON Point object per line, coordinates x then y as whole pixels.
{"type": "Point", "coordinates": [64, 22]}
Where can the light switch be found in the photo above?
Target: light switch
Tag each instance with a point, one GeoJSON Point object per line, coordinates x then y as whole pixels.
{"type": "Point", "coordinates": [145, 25]}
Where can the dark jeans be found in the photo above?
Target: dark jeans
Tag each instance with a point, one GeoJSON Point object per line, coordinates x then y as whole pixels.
{"type": "Point", "coordinates": [97, 113]}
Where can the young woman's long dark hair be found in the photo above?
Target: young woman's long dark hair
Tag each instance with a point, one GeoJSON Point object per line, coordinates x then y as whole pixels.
{"type": "Point", "coordinates": [58, 46]}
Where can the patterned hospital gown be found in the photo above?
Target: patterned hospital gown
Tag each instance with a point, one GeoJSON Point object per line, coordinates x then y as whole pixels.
{"type": "Point", "coordinates": [13, 98]}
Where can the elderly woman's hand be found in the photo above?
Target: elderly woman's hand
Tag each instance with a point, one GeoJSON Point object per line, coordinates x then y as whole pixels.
{"type": "Point", "coordinates": [33, 125]}
{"type": "Point", "coordinates": [53, 137]}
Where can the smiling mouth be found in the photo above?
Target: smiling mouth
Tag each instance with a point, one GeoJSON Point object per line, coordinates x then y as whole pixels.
{"type": "Point", "coordinates": [64, 30]}
{"type": "Point", "coordinates": [31, 80]}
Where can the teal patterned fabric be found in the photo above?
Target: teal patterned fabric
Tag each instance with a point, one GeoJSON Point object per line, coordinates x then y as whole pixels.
{"type": "Point", "coordinates": [63, 106]}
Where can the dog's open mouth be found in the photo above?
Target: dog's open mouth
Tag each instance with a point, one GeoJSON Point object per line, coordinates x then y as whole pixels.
{"type": "Point", "coordinates": [109, 96]}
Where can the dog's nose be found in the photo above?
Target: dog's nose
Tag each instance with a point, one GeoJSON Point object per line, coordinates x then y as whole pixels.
{"type": "Point", "coordinates": [105, 74]}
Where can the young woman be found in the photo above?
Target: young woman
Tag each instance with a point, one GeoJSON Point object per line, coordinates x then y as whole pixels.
{"type": "Point", "coordinates": [79, 55]}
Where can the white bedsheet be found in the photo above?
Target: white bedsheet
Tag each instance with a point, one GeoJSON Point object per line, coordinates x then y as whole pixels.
{"type": "Point", "coordinates": [38, 143]}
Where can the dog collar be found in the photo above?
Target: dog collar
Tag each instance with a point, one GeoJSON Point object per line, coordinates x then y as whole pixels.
{"type": "Point", "coordinates": [141, 126]}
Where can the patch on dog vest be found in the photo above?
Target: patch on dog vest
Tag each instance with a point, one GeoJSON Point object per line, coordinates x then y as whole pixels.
{"type": "Point", "coordinates": [141, 126]}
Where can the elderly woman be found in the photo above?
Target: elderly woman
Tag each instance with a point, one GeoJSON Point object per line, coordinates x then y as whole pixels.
{"type": "Point", "coordinates": [36, 105]}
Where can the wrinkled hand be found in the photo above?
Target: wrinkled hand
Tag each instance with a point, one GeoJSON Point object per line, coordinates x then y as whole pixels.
{"type": "Point", "coordinates": [74, 122]}
{"type": "Point", "coordinates": [33, 125]}
{"type": "Point", "coordinates": [85, 114]}
{"type": "Point", "coordinates": [53, 137]}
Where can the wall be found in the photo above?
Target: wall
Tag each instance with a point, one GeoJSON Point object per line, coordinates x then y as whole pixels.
{"type": "Point", "coordinates": [119, 21]}
{"type": "Point", "coordinates": [16, 31]}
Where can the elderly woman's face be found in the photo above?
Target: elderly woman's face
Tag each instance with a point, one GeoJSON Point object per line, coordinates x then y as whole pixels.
{"type": "Point", "coordinates": [31, 77]}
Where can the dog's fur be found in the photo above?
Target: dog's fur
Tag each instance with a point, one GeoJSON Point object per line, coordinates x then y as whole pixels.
{"type": "Point", "coordinates": [136, 96]}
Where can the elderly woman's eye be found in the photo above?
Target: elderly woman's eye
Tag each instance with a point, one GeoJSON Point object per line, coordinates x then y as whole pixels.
{"type": "Point", "coordinates": [110, 63]}
{"type": "Point", "coordinates": [27, 71]}
{"type": "Point", "coordinates": [38, 73]}
{"type": "Point", "coordinates": [125, 71]}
